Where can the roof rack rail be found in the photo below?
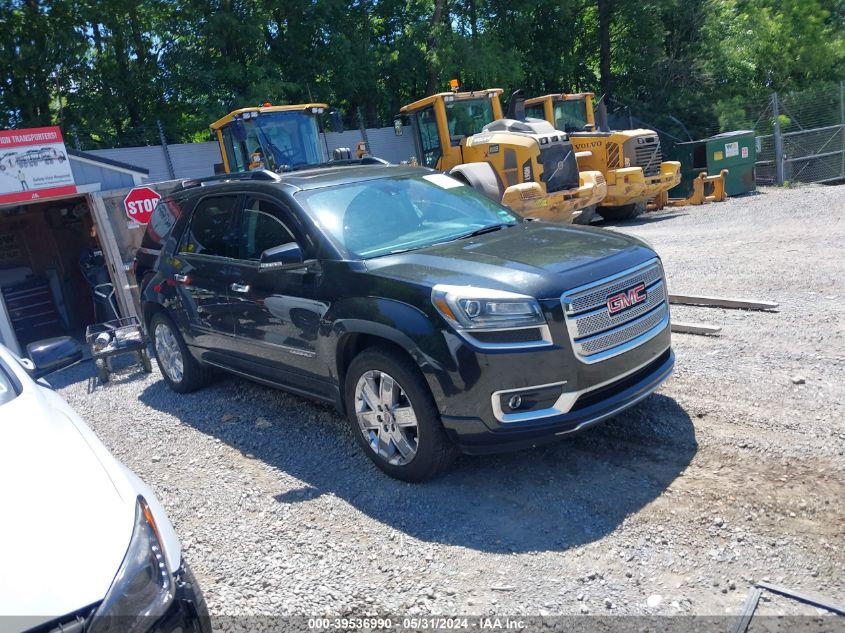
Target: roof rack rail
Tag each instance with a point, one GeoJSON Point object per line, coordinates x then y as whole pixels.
{"type": "Point", "coordinates": [258, 174]}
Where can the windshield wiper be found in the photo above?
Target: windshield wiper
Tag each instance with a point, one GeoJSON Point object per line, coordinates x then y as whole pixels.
{"type": "Point", "coordinates": [484, 229]}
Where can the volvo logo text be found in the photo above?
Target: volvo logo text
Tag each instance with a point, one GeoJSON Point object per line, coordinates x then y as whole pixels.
{"type": "Point", "coordinates": [627, 298]}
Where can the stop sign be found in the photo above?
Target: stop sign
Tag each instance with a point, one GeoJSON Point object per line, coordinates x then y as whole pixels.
{"type": "Point", "coordinates": [139, 204]}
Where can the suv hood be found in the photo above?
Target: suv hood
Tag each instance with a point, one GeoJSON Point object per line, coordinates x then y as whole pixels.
{"type": "Point", "coordinates": [66, 526]}
{"type": "Point", "coordinates": [535, 258]}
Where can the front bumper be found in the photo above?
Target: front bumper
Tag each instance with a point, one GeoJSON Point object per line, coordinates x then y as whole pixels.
{"type": "Point", "coordinates": [188, 612]}
{"type": "Point", "coordinates": [487, 434]}
{"type": "Point", "coordinates": [528, 199]}
{"type": "Point", "coordinates": [629, 185]}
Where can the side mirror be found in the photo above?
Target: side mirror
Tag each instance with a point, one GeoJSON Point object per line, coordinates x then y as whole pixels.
{"type": "Point", "coordinates": [397, 127]}
{"type": "Point", "coordinates": [281, 257]}
{"type": "Point", "coordinates": [53, 354]}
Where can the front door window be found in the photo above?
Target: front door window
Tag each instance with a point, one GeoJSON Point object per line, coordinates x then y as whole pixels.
{"type": "Point", "coordinates": [429, 137]}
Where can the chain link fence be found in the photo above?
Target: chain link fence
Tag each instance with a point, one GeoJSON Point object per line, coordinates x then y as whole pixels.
{"type": "Point", "coordinates": [800, 136]}
{"type": "Point", "coordinates": [806, 139]}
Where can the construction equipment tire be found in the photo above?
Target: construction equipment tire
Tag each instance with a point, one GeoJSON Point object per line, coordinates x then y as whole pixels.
{"type": "Point", "coordinates": [624, 212]}
{"type": "Point", "coordinates": [587, 215]}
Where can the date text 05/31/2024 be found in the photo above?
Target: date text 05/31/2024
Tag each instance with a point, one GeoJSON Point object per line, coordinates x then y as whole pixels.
{"type": "Point", "coordinates": [434, 623]}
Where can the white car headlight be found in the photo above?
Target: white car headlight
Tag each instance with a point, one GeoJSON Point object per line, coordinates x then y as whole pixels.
{"type": "Point", "coordinates": [469, 308]}
{"type": "Point", "coordinates": [143, 588]}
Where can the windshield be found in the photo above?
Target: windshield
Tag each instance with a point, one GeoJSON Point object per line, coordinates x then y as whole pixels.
{"type": "Point", "coordinates": [571, 116]}
{"type": "Point", "coordinates": [468, 116]}
{"type": "Point", "coordinates": [388, 215]}
{"type": "Point", "coordinates": [283, 139]}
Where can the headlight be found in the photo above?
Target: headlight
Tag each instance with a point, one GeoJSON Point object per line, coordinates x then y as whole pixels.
{"type": "Point", "coordinates": [143, 587]}
{"type": "Point", "coordinates": [471, 308]}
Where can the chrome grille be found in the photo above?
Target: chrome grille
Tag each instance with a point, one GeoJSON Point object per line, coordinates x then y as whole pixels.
{"type": "Point", "coordinates": [623, 334]}
{"type": "Point", "coordinates": [596, 296]}
{"type": "Point", "coordinates": [601, 319]}
{"type": "Point", "coordinates": [596, 334]}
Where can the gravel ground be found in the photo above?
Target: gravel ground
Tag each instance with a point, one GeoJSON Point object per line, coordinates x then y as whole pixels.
{"type": "Point", "coordinates": [733, 472]}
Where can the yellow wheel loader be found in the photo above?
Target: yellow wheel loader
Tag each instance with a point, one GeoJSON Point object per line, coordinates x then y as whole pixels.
{"type": "Point", "coordinates": [631, 160]}
{"type": "Point", "coordinates": [271, 137]}
{"type": "Point", "coordinates": [526, 165]}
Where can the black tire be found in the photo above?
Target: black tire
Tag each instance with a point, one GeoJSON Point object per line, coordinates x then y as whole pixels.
{"type": "Point", "coordinates": [194, 375]}
{"type": "Point", "coordinates": [102, 370]}
{"type": "Point", "coordinates": [587, 215]}
{"type": "Point", "coordinates": [146, 363]}
{"type": "Point", "coordinates": [625, 212]}
{"type": "Point", "coordinates": [434, 451]}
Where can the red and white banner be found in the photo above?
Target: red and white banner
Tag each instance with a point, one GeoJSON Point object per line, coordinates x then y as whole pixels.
{"type": "Point", "coordinates": [34, 165]}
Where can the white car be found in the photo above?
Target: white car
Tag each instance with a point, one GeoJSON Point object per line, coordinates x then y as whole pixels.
{"type": "Point", "coordinates": [84, 543]}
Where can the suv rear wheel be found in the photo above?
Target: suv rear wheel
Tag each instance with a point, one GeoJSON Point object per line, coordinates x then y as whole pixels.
{"type": "Point", "coordinates": [394, 417]}
{"type": "Point", "coordinates": [180, 369]}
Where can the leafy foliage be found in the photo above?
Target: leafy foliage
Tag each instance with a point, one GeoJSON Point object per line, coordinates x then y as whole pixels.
{"type": "Point", "coordinates": [112, 70]}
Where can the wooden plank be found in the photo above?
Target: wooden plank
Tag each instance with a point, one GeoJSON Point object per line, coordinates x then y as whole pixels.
{"type": "Point", "coordinates": [695, 328]}
{"type": "Point", "coordinates": [803, 596]}
{"type": "Point", "coordinates": [722, 302]}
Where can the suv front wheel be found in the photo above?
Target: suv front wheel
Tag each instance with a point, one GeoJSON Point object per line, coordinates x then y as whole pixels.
{"type": "Point", "coordinates": [394, 417]}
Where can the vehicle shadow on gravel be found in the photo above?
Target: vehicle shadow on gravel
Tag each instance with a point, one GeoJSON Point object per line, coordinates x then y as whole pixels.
{"type": "Point", "coordinates": [551, 498]}
{"type": "Point", "coordinates": [642, 220]}
{"type": "Point", "coordinates": [125, 370]}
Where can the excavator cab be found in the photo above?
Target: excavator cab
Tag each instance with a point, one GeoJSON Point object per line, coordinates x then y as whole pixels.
{"type": "Point", "coordinates": [440, 122]}
{"type": "Point", "coordinates": [278, 138]}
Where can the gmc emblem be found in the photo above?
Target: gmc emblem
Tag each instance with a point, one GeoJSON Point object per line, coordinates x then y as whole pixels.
{"type": "Point", "coordinates": [627, 298]}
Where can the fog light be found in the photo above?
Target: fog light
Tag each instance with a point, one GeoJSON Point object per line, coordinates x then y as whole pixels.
{"type": "Point", "coordinates": [515, 402]}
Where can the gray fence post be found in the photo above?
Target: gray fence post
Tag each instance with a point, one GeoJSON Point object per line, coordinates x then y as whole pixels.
{"type": "Point", "coordinates": [363, 129]}
{"type": "Point", "coordinates": [778, 141]}
{"type": "Point", "coordinates": [842, 121]}
{"type": "Point", "coordinates": [75, 133]}
{"type": "Point", "coordinates": [164, 149]}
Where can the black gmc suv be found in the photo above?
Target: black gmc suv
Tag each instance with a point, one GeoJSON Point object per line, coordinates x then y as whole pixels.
{"type": "Point", "coordinates": [436, 319]}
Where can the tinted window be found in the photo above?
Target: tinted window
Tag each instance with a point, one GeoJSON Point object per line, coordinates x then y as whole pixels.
{"type": "Point", "coordinates": [468, 116]}
{"type": "Point", "coordinates": [164, 216]}
{"type": "Point", "coordinates": [570, 116]}
{"type": "Point", "coordinates": [209, 233]}
{"type": "Point", "coordinates": [535, 111]}
{"type": "Point", "coordinates": [261, 229]}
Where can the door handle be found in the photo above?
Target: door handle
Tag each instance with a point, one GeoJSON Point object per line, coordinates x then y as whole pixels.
{"type": "Point", "coordinates": [236, 287]}
{"type": "Point", "coordinates": [182, 279]}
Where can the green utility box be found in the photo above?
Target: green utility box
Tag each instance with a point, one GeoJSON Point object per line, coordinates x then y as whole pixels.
{"type": "Point", "coordinates": [734, 151]}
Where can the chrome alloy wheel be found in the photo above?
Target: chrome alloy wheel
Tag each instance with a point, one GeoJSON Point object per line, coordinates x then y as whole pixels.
{"type": "Point", "coordinates": [386, 417]}
{"type": "Point", "coordinates": [168, 352]}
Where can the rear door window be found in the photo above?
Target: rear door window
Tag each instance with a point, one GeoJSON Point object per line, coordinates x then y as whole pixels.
{"type": "Point", "coordinates": [261, 228]}
{"type": "Point", "coordinates": [210, 231]}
